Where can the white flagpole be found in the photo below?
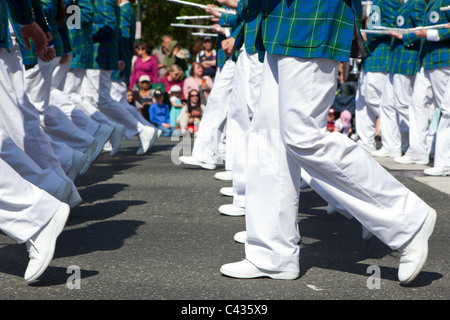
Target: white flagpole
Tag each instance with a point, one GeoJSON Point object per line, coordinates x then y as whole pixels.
{"type": "Point", "coordinates": [193, 17]}
{"type": "Point", "coordinates": [403, 30]}
{"type": "Point", "coordinates": [202, 6]}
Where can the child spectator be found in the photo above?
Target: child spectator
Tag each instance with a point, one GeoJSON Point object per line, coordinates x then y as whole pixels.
{"type": "Point", "coordinates": [159, 114]}
{"type": "Point", "coordinates": [331, 120]}
{"type": "Point", "coordinates": [344, 123]}
{"type": "Point", "coordinates": [177, 105]}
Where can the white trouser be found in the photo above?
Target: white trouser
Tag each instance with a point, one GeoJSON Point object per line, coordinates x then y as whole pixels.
{"type": "Point", "coordinates": [60, 74]}
{"type": "Point", "coordinates": [63, 101]}
{"type": "Point", "coordinates": [440, 82]}
{"type": "Point", "coordinates": [295, 98]}
{"type": "Point", "coordinates": [367, 106]}
{"type": "Point", "coordinates": [245, 96]}
{"type": "Point", "coordinates": [394, 111]}
{"type": "Point", "coordinates": [421, 113]}
{"type": "Point", "coordinates": [22, 163]}
{"type": "Point", "coordinates": [73, 88]}
{"type": "Point", "coordinates": [214, 118]}
{"type": "Point", "coordinates": [79, 118]}
{"type": "Point", "coordinates": [19, 119]}
{"type": "Point", "coordinates": [24, 208]}
{"type": "Point", "coordinates": [38, 83]}
{"type": "Point", "coordinates": [97, 87]}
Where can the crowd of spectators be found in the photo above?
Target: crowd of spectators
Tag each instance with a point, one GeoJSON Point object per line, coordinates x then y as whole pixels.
{"type": "Point", "coordinates": [182, 80]}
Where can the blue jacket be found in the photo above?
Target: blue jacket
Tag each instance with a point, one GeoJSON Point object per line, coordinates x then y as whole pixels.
{"type": "Point", "coordinates": [159, 114]}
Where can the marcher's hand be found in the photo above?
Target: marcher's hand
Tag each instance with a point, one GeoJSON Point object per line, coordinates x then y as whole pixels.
{"type": "Point", "coordinates": [228, 46]}
{"type": "Point", "coordinates": [421, 34]}
{"type": "Point", "coordinates": [65, 58]}
{"type": "Point", "coordinates": [212, 10]}
{"type": "Point", "coordinates": [218, 29]}
{"type": "Point", "coordinates": [33, 31]}
{"type": "Point", "coordinates": [448, 26]}
{"type": "Point", "coordinates": [396, 35]}
{"type": "Point", "coordinates": [48, 55]}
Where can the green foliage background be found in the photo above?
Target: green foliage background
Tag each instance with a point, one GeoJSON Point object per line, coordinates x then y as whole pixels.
{"type": "Point", "coordinates": [157, 15]}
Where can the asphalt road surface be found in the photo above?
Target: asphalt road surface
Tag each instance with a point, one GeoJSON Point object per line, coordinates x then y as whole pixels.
{"type": "Point", "coordinates": [149, 229]}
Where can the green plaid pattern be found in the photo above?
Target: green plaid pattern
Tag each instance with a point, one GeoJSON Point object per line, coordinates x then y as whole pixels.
{"type": "Point", "coordinates": [380, 44]}
{"type": "Point", "coordinates": [310, 29]}
{"type": "Point", "coordinates": [437, 54]}
{"type": "Point", "coordinates": [249, 13]}
{"type": "Point", "coordinates": [81, 40]}
{"type": "Point", "coordinates": [21, 11]}
{"type": "Point", "coordinates": [404, 56]}
{"type": "Point", "coordinates": [226, 20]}
{"type": "Point", "coordinates": [49, 11]}
{"type": "Point", "coordinates": [4, 32]}
{"type": "Point", "coordinates": [105, 34]}
{"type": "Point", "coordinates": [128, 31]}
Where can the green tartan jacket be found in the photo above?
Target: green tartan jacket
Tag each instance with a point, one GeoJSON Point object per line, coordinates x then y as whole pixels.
{"type": "Point", "coordinates": [380, 44]}
{"type": "Point", "coordinates": [437, 54]}
{"type": "Point", "coordinates": [50, 10]}
{"type": "Point", "coordinates": [20, 12]}
{"type": "Point", "coordinates": [126, 41]}
{"type": "Point", "coordinates": [249, 18]}
{"type": "Point", "coordinates": [105, 34]}
{"type": "Point", "coordinates": [81, 39]}
{"type": "Point", "coordinates": [404, 57]}
{"type": "Point", "coordinates": [312, 29]}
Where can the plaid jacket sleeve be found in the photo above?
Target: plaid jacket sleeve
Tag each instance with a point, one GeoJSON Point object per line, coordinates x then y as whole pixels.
{"type": "Point", "coordinates": [80, 39]}
{"type": "Point", "coordinates": [405, 54]}
{"type": "Point", "coordinates": [21, 11]}
{"type": "Point", "coordinates": [437, 54]}
{"type": "Point", "coordinates": [380, 44]}
{"type": "Point", "coordinates": [310, 29]}
{"type": "Point", "coordinates": [105, 34]}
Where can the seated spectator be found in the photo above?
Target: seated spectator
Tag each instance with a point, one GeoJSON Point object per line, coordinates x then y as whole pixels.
{"type": "Point", "coordinates": [207, 58]}
{"type": "Point", "coordinates": [176, 105]}
{"type": "Point", "coordinates": [173, 78]}
{"type": "Point", "coordinates": [191, 114]}
{"type": "Point", "coordinates": [175, 56]}
{"type": "Point", "coordinates": [198, 82]}
{"type": "Point", "coordinates": [145, 95]}
{"type": "Point", "coordinates": [159, 114]}
{"type": "Point", "coordinates": [145, 64]}
{"type": "Point", "coordinates": [131, 98]}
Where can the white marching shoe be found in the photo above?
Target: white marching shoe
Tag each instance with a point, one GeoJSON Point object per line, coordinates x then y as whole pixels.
{"type": "Point", "coordinates": [407, 160]}
{"type": "Point", "coordinates": [382, 152]}
{"type": "Point", "coordinates": [41, 246]}
{"type": "Point", "coordinates": [240, 237]}
{"type": "Point", "coordinates": [147, 137]}
{"type": "Point", "coordinates": [226, 191]}
{"type": "Point", "coordinates": [194, 162]}
{"type": "Point", "coordinates": [246, 270]}
{"type": "Point", "coordinates": [414, 253]}
{"type": "Point", "coordinates": [231, 210]}
{"type": "Point", "coordinates": [437, 171]}
{"type": "Point", "coordinates": [224, 175]}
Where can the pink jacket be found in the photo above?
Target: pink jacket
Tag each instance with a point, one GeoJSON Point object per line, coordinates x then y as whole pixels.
{"type": "Point", "coordinates": [149, 67]}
